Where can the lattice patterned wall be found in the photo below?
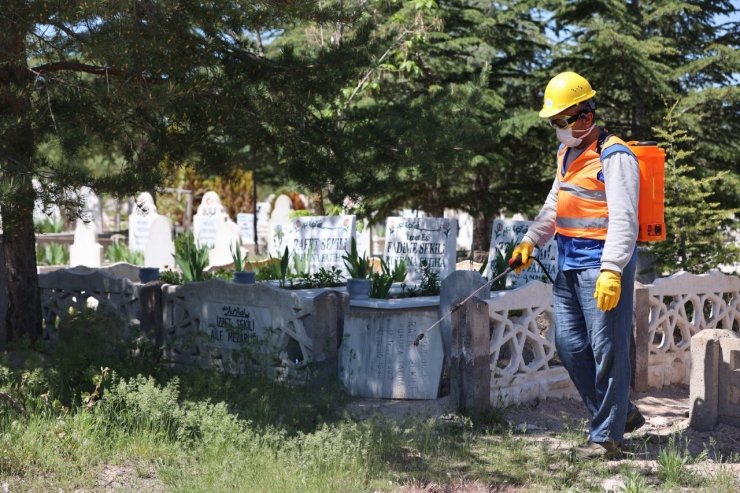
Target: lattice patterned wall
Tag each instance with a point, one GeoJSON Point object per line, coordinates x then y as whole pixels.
{"type": "Point", "coordinates": [681, 306]}
{"type": "Point", "coordinates": [524, 365]}
{"type": "Point", "coordinates": [68, 291]}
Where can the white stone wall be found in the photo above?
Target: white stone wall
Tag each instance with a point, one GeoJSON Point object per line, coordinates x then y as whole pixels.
{"type": "Point", "coordinates": [681, 306]}
{"type": "Point", "coordinates": [523, 363]}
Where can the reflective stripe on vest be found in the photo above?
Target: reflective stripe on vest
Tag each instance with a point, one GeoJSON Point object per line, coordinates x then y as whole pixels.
{"type": "Point", "coordinates": [582, 211]}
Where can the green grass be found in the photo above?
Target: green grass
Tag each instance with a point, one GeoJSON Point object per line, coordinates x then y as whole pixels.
{"type": "Point", "coordinates": [93, 410]}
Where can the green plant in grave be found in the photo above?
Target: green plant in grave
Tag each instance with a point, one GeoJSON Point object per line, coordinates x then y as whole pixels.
{"type": "Point", "coordinates": [383, 280]}
{"type": "Point", "coordinates": [240, 262]}
{"type": "Point", "coordinates": [48, 225]}
{"type": "Point", "coordinates": [502, 263]}
{"type": "Point", "coordinates": [190, 258]}
{"type": "Point", "coordinates": [120, 252]}
{"type": "Point", "coordinates": [358, 267]}
{"type": "Point", "coordinates": [430, 283]}
{"type": "Point", "coordinates": [52, 254]}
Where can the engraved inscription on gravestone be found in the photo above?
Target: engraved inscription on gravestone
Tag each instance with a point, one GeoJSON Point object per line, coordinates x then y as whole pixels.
{"type": "Point", "coordinates": [378, 358]}
{"type": "Point", "coordinates": [245, 221]}
{"type": "Point", "coordinates": [231, 326]}
{"type": "Point", "coordinates": [506, 232]}
{"type": "Point", "coordinates": [417, 239]}
{"type": "Point", "coordinates": [324, 239]}
{"type": "Point", "coordinates": [140, 222]}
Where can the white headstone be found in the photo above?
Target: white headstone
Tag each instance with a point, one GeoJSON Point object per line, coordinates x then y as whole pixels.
{"type": "Point", "coordinates": [245, 221]}
{"type": "Point", "coordinates": [92, 212]}
{"type": "Point", "coordinates": [465, 225]}
{"type": "Point", "coordinates": [208, 218]}
{"type": "Point", "coordinates": [140, 222]}
{"type": "Point", "coordinates": [85, 250]}
{"type": "Point", "coordinates": [508, 232]}
{"type": "Point", "coordinates": [364, 237]}
{"type": "Point", "coordinates": [423, 238]}
{"type": "Point", "coordinates": [160, 247]}
{"type": "Point", "coordinates": [263, 224]}
{"type": "Point", "coordinates": [227, 238]}
{"type": "Point", "coordinates": [324, 238]}
{"type": "Point", "coordinates": [279, 220]}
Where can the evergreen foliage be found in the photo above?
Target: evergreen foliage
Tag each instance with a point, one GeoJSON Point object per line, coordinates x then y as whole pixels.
{"type": "Point", "coordinates": [695, 223]}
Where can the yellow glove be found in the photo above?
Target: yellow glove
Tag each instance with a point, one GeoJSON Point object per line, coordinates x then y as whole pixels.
{"type": "Point", "coordinates": [523, 249]}
{"type": "Point", "coordinates": [608, 289]}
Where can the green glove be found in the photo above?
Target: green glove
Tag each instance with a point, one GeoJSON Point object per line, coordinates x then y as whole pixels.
{"type": "Point", "coordinates": [523, 249]}
{"type": "Point", "coordinates": [608, 289]}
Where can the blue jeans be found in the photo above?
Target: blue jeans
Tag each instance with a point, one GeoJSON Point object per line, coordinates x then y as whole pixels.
{"type": "Point", "coordinates": [594, 347]}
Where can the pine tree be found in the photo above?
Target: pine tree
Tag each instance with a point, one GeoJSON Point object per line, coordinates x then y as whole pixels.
{"type": "Point", "coordinates": [695, 224]}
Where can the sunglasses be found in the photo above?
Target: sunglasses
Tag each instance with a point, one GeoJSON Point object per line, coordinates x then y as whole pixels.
{"type": "Point", "coordinates": [565, 122]}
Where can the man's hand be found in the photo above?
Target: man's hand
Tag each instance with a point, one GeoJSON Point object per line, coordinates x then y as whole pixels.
{"type": "Point", "coordinates": [523, 250]}
{"type": "Point", "coordinates": [608, 290]}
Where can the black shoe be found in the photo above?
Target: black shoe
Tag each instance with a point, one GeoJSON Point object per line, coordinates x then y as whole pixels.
{"type": "Point", "coordinates": [635, 421]}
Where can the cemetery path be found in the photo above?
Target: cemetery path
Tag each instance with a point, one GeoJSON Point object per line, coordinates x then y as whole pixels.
{"type": "Point", "coordinates": [561, 421]}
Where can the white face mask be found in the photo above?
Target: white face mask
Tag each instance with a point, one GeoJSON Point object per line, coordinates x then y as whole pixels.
{"type": "Point", "coordinates": [565, 135]}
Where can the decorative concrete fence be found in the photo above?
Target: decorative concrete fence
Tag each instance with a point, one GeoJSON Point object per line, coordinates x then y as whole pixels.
{"type": "Point", "coordinates": [114, 290]}
{"type": "Point", "coordinates": [229, 326]}
{"type": "Point", "coordinates": [681, 306]}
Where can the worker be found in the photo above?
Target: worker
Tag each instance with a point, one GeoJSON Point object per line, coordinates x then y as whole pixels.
{"type": "Point", "coordinates": [592, 211]}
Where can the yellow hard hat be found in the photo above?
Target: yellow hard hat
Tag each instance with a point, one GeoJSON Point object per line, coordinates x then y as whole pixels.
{"type": "Point", "coordinates": [563, 91]}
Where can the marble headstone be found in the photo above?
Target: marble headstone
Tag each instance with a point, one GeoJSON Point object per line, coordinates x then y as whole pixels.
{"type": "Point", "coordinates": [160, 247]}
{"type": "Point", "coordinates": [245, 221]}
{"type": "Point", "coordinates": [85, 250]}
{"type": "Point", "coordinates": [418, 239]}
{"type": "Point", "coordinates": [92, 212]}
{"type": "Point", "coordinates": [325, 239]}
{"type": "Point", "coordinates": [207, 219]}
{"type": "Point", "coordinates": [506, 232]}
{"type": "Point", "coordinates": [279, 221]}
{"type": "Point", "coordinates": [140, 222]}
{"type": "Point", "coordinates": [227, 238]}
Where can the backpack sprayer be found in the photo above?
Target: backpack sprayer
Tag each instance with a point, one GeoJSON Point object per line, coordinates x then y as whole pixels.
{"type": "Point", "coordinates": [514, 263]}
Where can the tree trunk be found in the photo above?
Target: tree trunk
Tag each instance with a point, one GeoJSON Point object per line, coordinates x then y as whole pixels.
{"type": "Point", "coordinates": [482, 222]}
{"type": "Point", "coordinates": [23, 317]}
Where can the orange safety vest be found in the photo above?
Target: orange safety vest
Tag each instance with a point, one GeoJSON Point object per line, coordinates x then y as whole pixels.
{"type": "Point", "coordinates": [582, 210]}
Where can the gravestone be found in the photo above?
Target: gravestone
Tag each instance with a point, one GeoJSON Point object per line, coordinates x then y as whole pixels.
{"type": "Point", "coordinates": [263, 225]}
{"type": "Point", "coordinates": [417, 239]}
{"type": "Point", "coordinates": [378, 358]}
{"type": "Point", "coordinates": [323, 239]}
{"type": "Point", "coordinates": [140, 222]}
{"type": "Point", "coordinates": [85, 250]}
{"type": "Point", "coordinates": [227, 238]}
{"type": "Point", "coordinates": [508, 232]}
{"type": "Point", "coordinates": [245, 221]}
{"type": "Point", "coordinates": [160, 247]}
{"type": "Point", "coordinates": [278, 225]}
{"type": "Point", "coordinates": [465, 225]}
{"type": "Point", "coordinates": [207, 219]}
{"type": "Point", "coordinates": [92, 211]}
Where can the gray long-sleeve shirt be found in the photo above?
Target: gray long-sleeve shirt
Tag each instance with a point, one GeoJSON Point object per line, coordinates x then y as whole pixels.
{"type": "Point", "coordinates": [622, 182]}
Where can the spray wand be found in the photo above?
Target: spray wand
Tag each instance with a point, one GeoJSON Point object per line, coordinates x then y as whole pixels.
{"type": "Point", "coordinates": [514, 263]}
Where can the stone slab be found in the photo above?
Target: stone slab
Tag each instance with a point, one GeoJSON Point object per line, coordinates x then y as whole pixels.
{"type": "Point", "coordinates": [506, 232]}
{"type": "Point", "coordinates": [415, 239]}
{"type": "Point", "coordinates": [377, 357]}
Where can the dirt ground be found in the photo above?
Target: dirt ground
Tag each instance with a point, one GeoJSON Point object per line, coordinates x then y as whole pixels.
{"type": "Point", "coordinates": [667, 418]}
